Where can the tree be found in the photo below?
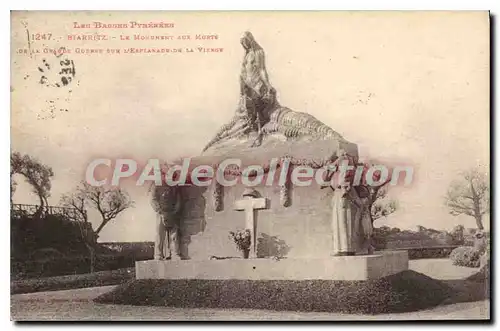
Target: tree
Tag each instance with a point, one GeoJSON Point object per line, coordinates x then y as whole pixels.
{"type": "Point", "coordinates": [37, 175]}
{"type": "Point", "coordinates": [77, 201]}
{"type": "Point", "coordinates": [109, 203]}
{"type": "Point", "coordinates": [379, 206]}
{"type": "Point", "coordinates": [470, 195]}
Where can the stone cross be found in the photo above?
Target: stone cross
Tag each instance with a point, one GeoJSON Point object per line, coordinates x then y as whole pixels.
{"type": "Point", "coordinates": [250, 203]}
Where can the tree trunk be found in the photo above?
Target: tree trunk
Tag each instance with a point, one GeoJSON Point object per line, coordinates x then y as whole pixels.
{"type": "Point", "coordinates": [92, 258]}
{"type": "Point", "coordinates": [479, 222]}
{"type": "Point", "coordinates": [12, 191]}
{"type": "Point", "coordinates": [39, 212]}
{"type": "Point", "coordinates": [372, 219]}
{"type": "Point", "coordinates": [373, 198]}
{"type": "Point", "coordinates": [477, 209]}
{"type": "Point", "coordinates": [101, 226]}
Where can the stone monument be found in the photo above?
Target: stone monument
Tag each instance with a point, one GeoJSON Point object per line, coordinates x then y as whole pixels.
{"type": "Point", "coordinates": [326, 232]}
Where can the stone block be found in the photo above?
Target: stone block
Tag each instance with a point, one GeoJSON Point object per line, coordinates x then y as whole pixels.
{"type": "Point", "coordinates": [360, 267]}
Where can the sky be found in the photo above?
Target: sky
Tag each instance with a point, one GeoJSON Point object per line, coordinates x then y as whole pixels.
{"type": "Point", "coordinates": [408, 88]}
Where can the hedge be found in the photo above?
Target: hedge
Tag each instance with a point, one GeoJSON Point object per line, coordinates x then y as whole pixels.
{"type": "Point", "coordinates": [56, 283]}
{"type": "Point", "coordinates": [71, 265]}
{"type": "Point", "coordinates": [402, 292]}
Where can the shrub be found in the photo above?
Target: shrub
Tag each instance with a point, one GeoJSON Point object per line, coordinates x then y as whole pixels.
{"type": "Point", "coordinates": [465, 256]}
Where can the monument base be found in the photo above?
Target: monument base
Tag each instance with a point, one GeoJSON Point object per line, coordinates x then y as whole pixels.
{"type": "Point", "coordinates": [360, 267]}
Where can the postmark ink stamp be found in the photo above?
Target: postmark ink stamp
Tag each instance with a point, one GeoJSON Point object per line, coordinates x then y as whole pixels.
{"type": "Point", "coordinates": [57, 71]}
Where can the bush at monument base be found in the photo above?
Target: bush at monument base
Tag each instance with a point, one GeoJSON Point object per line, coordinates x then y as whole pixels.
{"type": "Point", "coordinates": [465, 256]}
{"type": "Point", "coordinates": [402, 292]}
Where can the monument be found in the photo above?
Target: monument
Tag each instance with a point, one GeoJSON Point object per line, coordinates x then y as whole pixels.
{"type": "Point", "coordinates": [327, 232]}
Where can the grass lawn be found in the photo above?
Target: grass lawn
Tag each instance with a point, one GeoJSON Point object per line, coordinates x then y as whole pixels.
{"type": "Point", "coordinates": [101, 278]}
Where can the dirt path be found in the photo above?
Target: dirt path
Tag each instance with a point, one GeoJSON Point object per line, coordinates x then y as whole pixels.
{"type": "Point", "coordinates": [74, 310]}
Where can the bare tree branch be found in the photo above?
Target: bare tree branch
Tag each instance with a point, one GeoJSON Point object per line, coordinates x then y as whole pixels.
{"type": "Point", "coordinates": [380, 206]}
{"type": "Point", "coordinates": [109, 202]}
{"type": "Point", "coordinates": [470, 195]}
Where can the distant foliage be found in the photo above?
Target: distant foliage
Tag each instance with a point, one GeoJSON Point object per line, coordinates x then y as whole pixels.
{"type": "Point", "coordinates": [425, 244]}
{"type": "Point", "coordinates": [465, 256]}
{"type": "Point", "coordinates": [140, 250]}
{"type": "Point", "coordinates": [385, 237]}
{"type": "Point", "coordinates": [430, 252]}
{"type": "Point", "coordinates": [457, 234]}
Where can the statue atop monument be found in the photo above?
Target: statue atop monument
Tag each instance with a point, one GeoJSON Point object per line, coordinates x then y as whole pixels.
{"type": "Point", "coordinates": [259, 114]}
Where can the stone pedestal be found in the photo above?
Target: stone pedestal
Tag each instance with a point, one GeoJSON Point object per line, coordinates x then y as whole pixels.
{"type": "Point", "coordinates": [362, 267]}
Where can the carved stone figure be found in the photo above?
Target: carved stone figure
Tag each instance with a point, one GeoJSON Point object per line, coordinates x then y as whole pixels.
{"type": "Point", "coordinates": [259, 110]}
{"type": "Point", "coordinates": [365, 244]}
{"type": "Point", "coordinates": [257, 94]}
{"type": "Point", "coordinates": [167, 202]}
{"type": "Point", "coordinates": [351, 225]}
{"type": "Point", "coordinates": [352, 228]}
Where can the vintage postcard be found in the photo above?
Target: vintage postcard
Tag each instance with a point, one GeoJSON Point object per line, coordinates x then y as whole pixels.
{"type": "Point", "coordinates": [170, 165]}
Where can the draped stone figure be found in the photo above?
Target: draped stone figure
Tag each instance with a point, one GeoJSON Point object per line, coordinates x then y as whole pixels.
{"type": "Point", "coordinates": [257, 96]}
{"type": "Point", "coordinates": [259, 111]}
{"type": "Point", "coordinates": [365, 221]}
{"type": "Point", "coordinates": [344, 222]}
{"type": "Point", "coordinates": [351, 224]}
{"type": "Point", "coordinates": [167, 202]}
{"type": "Point", "coordinates": [350, 219]}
